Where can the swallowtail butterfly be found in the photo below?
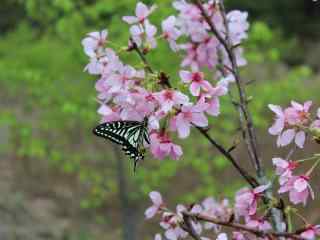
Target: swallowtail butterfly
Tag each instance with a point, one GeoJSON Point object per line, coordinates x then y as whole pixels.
{"type": "Point", "coordinates": [131, 135]}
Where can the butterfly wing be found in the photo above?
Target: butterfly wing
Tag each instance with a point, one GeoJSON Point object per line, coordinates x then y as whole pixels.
{"type": "Point", "coordinates": [129, 134]}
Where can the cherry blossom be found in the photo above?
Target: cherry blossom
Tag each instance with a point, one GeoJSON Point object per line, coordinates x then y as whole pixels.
{"type": "Point", "coordinates": [170, 32]}
{"type": "Point", "coordinates": [258, 223]}
{"type": "Point", "coordinates": [170, 98]}
{"type": "Point", "coordinates": [142, 12]}
{"type": "Point", "coordinates": [109, 114]}
{"type": "Point", "coordinates": [104, 65]}
{"type": "Point", "coordinates": [94, 43]}
{"type": "Point", "coordinates": [299, 189]}
{"type": "Point", "coordinates": [247, 200]}
{"type": "Point", "coordinates": [197, 81]}
{"type": "Point", "coordinates": [161, 146]}
{"type": "Point", "coordinates": [238, 26]}
{"type": "Point", "coordinates": [284, 169]}
{"type": "Point", "coordinates": [288, 123]}
{"type": "Point", "coordinates": [189, 114]}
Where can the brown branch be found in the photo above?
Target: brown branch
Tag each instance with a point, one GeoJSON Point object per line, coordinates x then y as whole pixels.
{"type": "Point", "coordinates": [251, 180]}
{"type": "Point", "coordinates": [259, 233]}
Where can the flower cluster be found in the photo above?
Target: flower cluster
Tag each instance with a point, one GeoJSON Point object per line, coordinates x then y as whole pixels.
{"type": "Point", "coordinates": [173, 221]}
{"type": "Point", "coordinates": [292, 123]}
{"type": "Point", "coordinates": [298, 186]}
{"type": "Point", "coordinates": [128, 93]}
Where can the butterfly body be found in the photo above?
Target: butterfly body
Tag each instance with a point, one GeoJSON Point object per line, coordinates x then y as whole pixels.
{"type": "Point", "coordinates": [131, 135]}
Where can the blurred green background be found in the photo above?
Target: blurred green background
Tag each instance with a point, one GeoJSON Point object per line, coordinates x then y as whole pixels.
{"type": "Point", "coordinates": [58, 181]}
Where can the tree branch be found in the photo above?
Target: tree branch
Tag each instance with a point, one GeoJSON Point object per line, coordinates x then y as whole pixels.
{"type": "Point", "coordinates": [258, 233]}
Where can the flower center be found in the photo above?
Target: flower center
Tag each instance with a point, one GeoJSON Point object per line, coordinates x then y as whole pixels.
{"type": "Point", "coordinates": [196, 77]}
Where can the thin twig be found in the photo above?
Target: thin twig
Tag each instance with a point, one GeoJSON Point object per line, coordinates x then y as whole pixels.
{"type": "Point", "coordinates": [252, 181]}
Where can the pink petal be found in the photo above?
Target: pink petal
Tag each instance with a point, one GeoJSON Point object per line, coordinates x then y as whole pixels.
{"type": "Point", "coordinates": [130, 19]}
{"type": "Point", "coordinates": [151, 212]}
{"type": "Point", "coordinates": [183, 128]}
{"type": "Point", "coordinates": [286, 137]}
{"type": "Point", "coordinates": [309, 234]}
{"type": "Point", "coordinates": [276, 109]}
{"type": "Point", "coordinates": [176, 152]}
{"type": "Point", "coordinates": [156, 198]}
{"type": "Point", "coordinates": [185, 76]}
{"type": "Point", "coordinates": [279, 162]}
{"type": "Point", "coordinates": [199, 119]}
{"type": "Point", "coordinates": [300, 185]}
{"type": "Point", "coordinates": [141, 10]}
{"type": "Point", "coordinates": [307, 105]}
{"type": "Point", "coordinates": [277, 127]}
{"type": "Point", "coordinates": [195, 89]}
{"type": "Point", "coordinates": [300, 139]}
{"type": "Point", "coordinates": [297, 106]}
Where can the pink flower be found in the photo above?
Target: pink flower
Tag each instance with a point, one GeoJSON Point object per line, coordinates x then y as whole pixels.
{"type": "Point", "coordinates": [190, 58]}
{"type": "Point", "coordinates": [122, 80]}
{"type": "Point", "coordinates": [279, 123]}
{"type": "Point", "coordinates": [161, 146]}
{"type": "Point", "coordinates": [219, 210]}
{"type": "Point", "coordinates": [142, 12]}
{"type": "Point", "coordinates": [212, 99]}
{"type": "Point", "coordinates": [189, 114]}
{"type": "Point", "coordinates": [109, 114]}
{"type": "Point", "coordinates": [109, 62]}
{"type": "Point", "coordinates": [311, 232]}
{"type": "Point", "coordinates": [144, 34]}
{"type": "Point", "coordinates": [284, 169]}
{"type": "Point", "coordinates": [298, 188]}
{"type": "Point", "coordinates": [151, 31]}
{"type": "Point", "coordinates": [207, 54]}
{"type": "Point", "coordinates": [292, 117]}
{"type": "Point", "coordinates": [157, 204]}
{"type": "Point", "coordinates": [170, 98]}
{"type": "Point", "coordinates": [238, 26]}
{"type": "Point", "coordinates": [247, 199]}
{"type": "Point", "coordinates": [94, 43]}
{"type": "Point", "coordinates": [298, 114]}
{"type": "Point", "coordinates": [258, 223]}
{"type": "Point", "coordinates": [171, 221]}
{"type": "Point", "coordinates": [197, 81]}
{"type": "Point", "coordinates": [170, 32]}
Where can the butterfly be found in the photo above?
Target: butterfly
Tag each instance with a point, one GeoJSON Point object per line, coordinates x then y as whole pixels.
{"type": "Point", "coordinates": [131, 135]}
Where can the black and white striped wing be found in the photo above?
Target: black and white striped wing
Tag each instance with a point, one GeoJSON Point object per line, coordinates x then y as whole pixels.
{"type": "Point", "coordinates": [130, 134]}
